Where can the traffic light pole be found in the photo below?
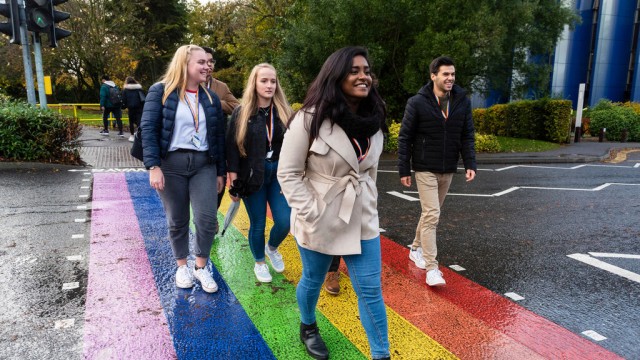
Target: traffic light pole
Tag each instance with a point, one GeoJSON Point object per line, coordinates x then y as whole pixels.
{"type": "Point", "coordinates": [37, 52]}
{"type": "Point", "coordinates": [26, 55]}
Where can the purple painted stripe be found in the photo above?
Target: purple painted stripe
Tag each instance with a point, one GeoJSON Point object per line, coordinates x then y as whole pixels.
{"type": "Point", "coordinates": [124, 318]}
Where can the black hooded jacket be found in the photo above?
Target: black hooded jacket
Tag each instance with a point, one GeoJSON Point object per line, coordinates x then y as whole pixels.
{"type": "Point", "coordinates": [429, 142]}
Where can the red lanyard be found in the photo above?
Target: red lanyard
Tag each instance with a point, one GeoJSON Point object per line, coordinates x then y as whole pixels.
{"type": "Point", "coordinates": [270, 129]}
{"type": "Point", "coordinates": [362, 156]}
{"type": "Point", "coordinates": [195, 113]}
{"type": "Point", "coordinates": [446, 115]}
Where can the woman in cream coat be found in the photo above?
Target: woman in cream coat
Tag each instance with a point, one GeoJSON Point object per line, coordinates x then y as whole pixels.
{"type": "Point", "coordinates": [327, 171]}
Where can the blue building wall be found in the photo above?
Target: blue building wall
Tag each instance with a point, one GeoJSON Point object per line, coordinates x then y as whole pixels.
{"type": "Point", "coordinates": [572, 55]}
{"type": "Point", "coordinates": [612, 53]}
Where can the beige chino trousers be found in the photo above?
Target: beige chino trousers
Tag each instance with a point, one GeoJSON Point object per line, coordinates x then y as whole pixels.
{"type": "Point", "coordinates": [432, 189]}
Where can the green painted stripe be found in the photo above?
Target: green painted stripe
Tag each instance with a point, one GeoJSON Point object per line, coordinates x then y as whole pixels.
{"type": "Point", "coordinates": [272, 307]}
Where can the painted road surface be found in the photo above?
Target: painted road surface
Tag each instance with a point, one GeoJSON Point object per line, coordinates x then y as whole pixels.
{"type": "Point", "coordinates": [134, 310]}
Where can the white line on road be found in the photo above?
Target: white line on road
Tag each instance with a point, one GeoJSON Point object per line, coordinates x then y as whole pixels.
{"type": "Point", "coordinates": [74, 258]}
{"type": "Point", "coordinates": [612, 255]}
{"type": "Point", "coordinates": [86, 179]}
{"type": "Point", "coordinates": [402, 196]}
{"type": "Point", "coordinates": [84, 187]}
{"type": "Point", "coordinates": [80, 220]}
{"type": "Point", "coordinates": [457, 267]}
{"type": "Point", "coordinates": [606, 266]}
{"type": "Point", "coordinates": [513, 296]}
{"type": "Point", "coordinates": [63, 324]}
{"type": "Point", "coordinates": [70, 286]}
{"type": "Point", "coordinates": [77, 236]}
{"type": "Point", "coordinates": [83, 196]}
{"type": "Point", "coordinates": [637, 165]}
{"type": "Point", "coordinates": [593, 335]}
{"type": "Point", "coordinates": [81, 207]}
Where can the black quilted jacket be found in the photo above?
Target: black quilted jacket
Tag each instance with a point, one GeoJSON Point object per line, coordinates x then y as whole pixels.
{"type": "Point", "coordinates": [429, 142]}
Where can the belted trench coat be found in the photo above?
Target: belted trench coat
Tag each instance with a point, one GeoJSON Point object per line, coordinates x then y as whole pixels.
{"type": "Point", "coordinates": [333, 197]}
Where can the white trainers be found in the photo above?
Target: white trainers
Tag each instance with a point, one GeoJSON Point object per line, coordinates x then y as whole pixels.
{"type": "Point", "coordinates": [276, 259]}
{"type": "Point", "coordinates": [183, 277]}
{"type": "Point", "coordinates": [434, 278]}
{"type": "Point", "coordinates": [416, 257]}
{"type": "Point", "coordinates": [206, 280]}
{"type": "Point", "coordinates": [131, 138]}
{"type": "Point", "coordinates": [262, 273]}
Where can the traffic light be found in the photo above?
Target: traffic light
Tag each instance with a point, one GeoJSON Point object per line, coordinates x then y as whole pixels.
{"type": "Point", "coordinates": [11, 28]}
{"type": "Point", "coordinates": [42, 17]}
{"type": "Point", "coordinates": [57, 33]}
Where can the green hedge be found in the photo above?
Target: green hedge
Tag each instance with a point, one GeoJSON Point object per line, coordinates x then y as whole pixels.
{"type": "Point", "coordinates": [543, 119]}
{"type": "Point", "coordinates": [616, 118]}
{"type": "Point", "coordinates": [31, 134]}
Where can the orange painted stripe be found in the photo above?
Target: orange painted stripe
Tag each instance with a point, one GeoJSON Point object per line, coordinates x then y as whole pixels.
{"type": "Point", "coordinates": [445, 322]}
{"type": "Point", "coordinates": [523, 326]}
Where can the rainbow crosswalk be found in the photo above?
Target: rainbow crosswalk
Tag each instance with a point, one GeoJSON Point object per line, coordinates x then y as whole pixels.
{"type": "Point", "coordinates": [131, 291]}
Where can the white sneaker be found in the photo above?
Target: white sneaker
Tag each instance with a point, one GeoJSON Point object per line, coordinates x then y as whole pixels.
{"type": "Point", "coordinates": [262, 273]}
{"type": "Point", "coordinates": [183, 277]}
{"type": "Point", "coordinates": [131, 138]}
{"type": "Point", "coordinates": [276, 259]}
{"type": "Point", "coordinates": [416, 256]}
{"type": "Point", "coordinates": [434, 278]}
{"type": "Point", "coordinates": [206, 280]}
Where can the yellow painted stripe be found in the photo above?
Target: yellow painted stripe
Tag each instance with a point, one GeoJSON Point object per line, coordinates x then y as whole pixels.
{"type": "Point", "coordinates": [406, 341]}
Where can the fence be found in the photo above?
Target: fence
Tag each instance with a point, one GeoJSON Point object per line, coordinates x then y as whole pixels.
{"type": "Point", "coordinates": [84, 116]}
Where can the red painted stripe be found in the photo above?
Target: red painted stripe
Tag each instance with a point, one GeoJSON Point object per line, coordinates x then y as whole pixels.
{"type": "Point", "coordinates": [535, 332]}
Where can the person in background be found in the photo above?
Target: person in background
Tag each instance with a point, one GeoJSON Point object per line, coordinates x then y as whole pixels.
{"type": "Point", "coordinates": [328, 170]}
{"type": "Point", "coordinates": [132, 95]}
{"type": "Point", "coordinates": [228, 101]}
{"type": "Point", "coordinates": [183, 141]}
{"type": "Point", "coordinates": [107, 107]}
{"type": "Point", "coordinates": [436, 128]}
{"type": "Point", "coordinates": [254, 140]}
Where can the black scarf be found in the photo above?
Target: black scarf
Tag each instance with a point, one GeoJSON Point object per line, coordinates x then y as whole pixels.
{"type": "Point", "coordinates": [360, 126]}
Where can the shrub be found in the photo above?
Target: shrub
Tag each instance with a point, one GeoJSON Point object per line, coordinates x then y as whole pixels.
{"type": "Point", "coordinates": [391, 143]}
{"type": "Point", "coordinates": [487, 143]}
{"type": "Point", "coordinates": [31, 134]}
{"type": "Point", "coordinates": [616, 119]}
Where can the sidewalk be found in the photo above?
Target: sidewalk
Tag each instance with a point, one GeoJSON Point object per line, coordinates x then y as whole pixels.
{"type": "Point", "coordinates": [104, 152]}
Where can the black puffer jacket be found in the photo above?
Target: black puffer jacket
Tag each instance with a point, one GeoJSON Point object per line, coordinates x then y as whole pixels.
{"type": "Point", "coordinates": [429, 142]}
{"type": "Point", "coordinates": [158, 121]}
{"type": "Point", "coordinates": [250, 169]}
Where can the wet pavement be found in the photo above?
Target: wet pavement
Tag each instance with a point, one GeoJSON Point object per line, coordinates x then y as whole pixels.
{"type": "Point", "coordinates": [121, 261]}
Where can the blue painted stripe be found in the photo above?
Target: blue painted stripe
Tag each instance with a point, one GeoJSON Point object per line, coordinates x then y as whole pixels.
{"type": "Point", "coordinates": [202, 325]}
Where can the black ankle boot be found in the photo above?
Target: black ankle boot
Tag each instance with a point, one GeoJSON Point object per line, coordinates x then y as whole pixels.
{"type": "Point", "coordinates": [310, 337]}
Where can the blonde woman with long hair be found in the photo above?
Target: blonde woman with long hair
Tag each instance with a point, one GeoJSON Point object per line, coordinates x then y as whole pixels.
{"type": "Point", "coordinates": [254, 140]}
{"type": "Point", "coordinates": [183, 144]}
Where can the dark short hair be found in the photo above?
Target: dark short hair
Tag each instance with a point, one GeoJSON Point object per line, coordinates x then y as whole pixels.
{"type": "Point", "coordinates": [130, 80]}
{"type": "Point", "coordinates": [208, 50]}
{"type": "Point", "coordinates": [106, 77]}
{"type": "Point", "coordinates": [434, 67]}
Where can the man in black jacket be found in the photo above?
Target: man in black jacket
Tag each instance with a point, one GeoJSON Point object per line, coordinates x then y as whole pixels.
{"type": "Point", "coordinates": [436, 129]}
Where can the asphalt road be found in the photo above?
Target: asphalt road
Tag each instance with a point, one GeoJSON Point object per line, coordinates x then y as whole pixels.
{"type": "Point", "coordinates": [519, 240]}
{"type": "Point", "coordinates": [41, 227]}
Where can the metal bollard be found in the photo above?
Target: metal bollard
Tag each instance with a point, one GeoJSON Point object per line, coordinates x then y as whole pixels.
{"type": "Point", "coordinates": [601, 136]}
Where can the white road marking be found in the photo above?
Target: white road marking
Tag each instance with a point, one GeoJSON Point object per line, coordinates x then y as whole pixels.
{"type": "Point", "coordinates": [612, 255]}
{"type": "Point", "coordinates": [402, 196]}
{"type": "Point", "coordinates": [87, 173]}
{"type": "Point", "coordinates": [513, 296]}
{"type": "Point", "coordinates": [86, 179]}
{"type": "Point", "coordinates": [514, 188]}
{"type": "Point", "coordinates": [77, 236]}
{"type": "Point", "coordinates": [606, 266]}
{"type": "Point", "coordinates": [81, 207]}
{"type": "Point", "coordinates": [80, 220]}
{"type": "Point", "coordinates": [63, 324]}
{"type": "Point", "coordinates": [70, 286]}
{"type": "Point", "coordinates": [593, 335]}
{"type": "Point", "coordinates": [637, 165]}
{"type": "Point", "coordinates": [83, 196]}
{"type": "Point", "coordinates": [74, 258]}
{"type": "Point", "coordinates": [457, 267]}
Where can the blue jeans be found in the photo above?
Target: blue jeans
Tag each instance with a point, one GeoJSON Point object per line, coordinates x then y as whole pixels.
{"type": "Point", "coordinates": [365, 270]}
{"type": "Point", "coordinates": [256, 205]}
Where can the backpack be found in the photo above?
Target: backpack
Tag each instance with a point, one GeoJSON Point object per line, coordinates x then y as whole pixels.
{"type": "Point", "coordinates": [115, 96]}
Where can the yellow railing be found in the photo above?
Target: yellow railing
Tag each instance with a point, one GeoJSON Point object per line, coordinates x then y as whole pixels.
{"type": "Point", "coordinates": [75, 108]}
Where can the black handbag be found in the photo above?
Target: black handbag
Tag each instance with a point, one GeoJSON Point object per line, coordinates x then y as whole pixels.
{"type": "Point", "coordinates": [136, 148]}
